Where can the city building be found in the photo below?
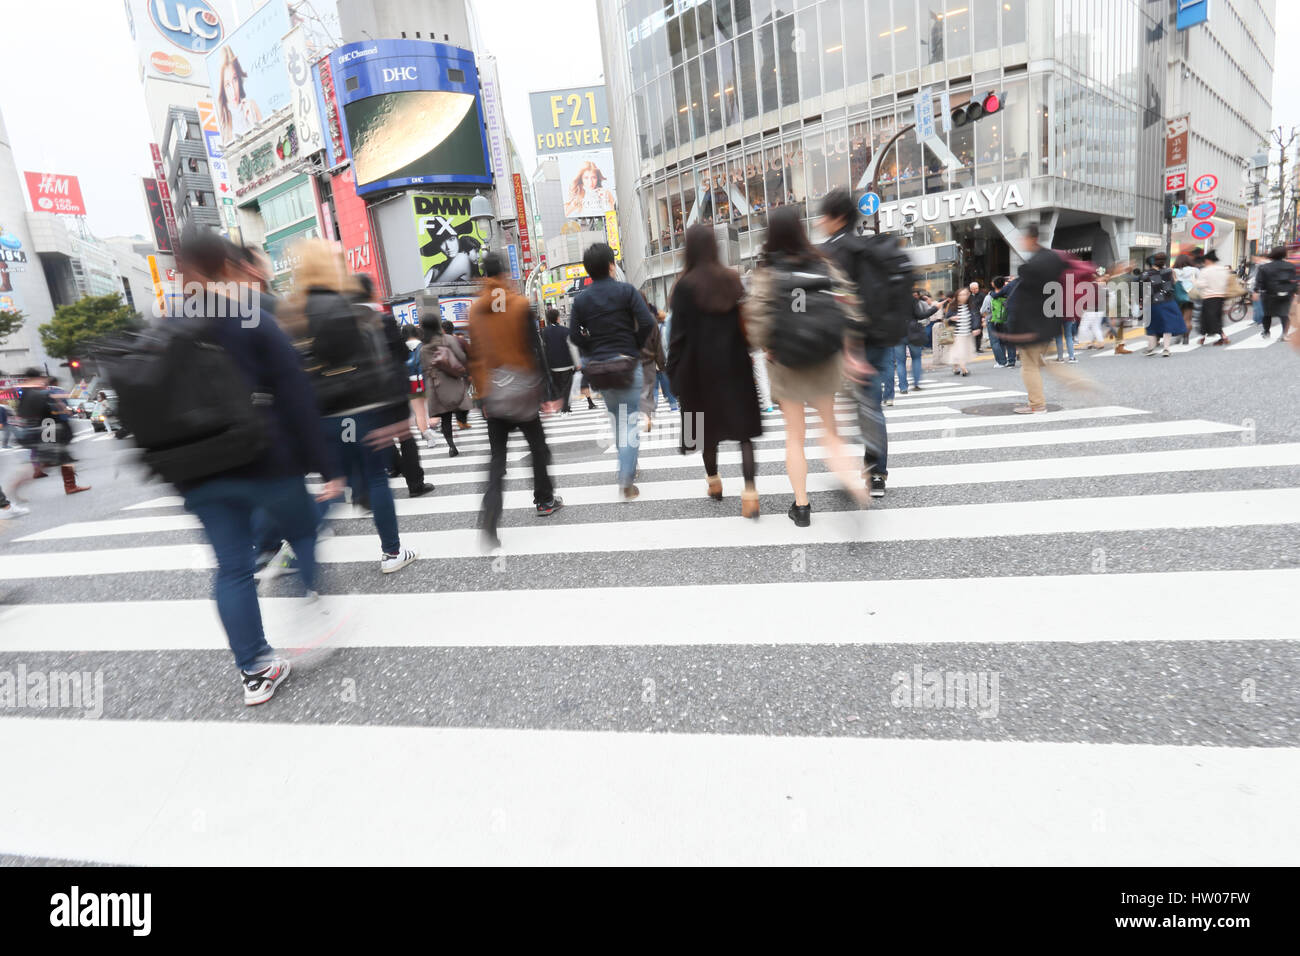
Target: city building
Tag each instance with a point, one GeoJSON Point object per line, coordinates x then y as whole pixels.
{"type": "Point", "coordinates": [22, 280]}
{"type": "Point", "coordinates": [549, 196]}
{"type": "Point", "coordinates": [185, 162]}
{"type": "Point", "coordinates": [76, 264]}
{"type": "Point", "coordinates": [1221, 76]}
{"type": "Point", "coordinates": [723, 110]}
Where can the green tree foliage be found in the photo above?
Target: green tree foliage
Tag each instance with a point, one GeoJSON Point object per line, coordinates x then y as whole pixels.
{"type": "Point", "coordinates": [84, 320]}
{"type": "Point", "coordinates": [10, 322]}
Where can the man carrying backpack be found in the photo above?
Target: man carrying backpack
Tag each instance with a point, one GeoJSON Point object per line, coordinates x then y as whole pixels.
{"type": "Point", "coordinates": [235, 429]}
{"type": "Point", "coordinates": [882, 272]}
{"type": "Point", "coordinates": [1275, 284]}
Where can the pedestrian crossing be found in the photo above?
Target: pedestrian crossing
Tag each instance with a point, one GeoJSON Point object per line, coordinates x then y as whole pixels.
{"type": "Point", "coordinates": [1014, 644]}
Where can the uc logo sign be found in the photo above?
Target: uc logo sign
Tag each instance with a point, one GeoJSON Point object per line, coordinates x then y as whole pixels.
{"type": "Point", "coordinates": [190, 24]}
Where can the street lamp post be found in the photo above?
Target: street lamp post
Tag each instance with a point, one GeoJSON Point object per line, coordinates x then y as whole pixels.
{"type": "Point", "coordinates": [480, 211]}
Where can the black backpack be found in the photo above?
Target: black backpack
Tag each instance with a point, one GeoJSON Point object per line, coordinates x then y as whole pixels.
{"type": "Point", "coordinates": [809, 316]}
{"type": "Point", "coordinates": [188, 406]}
{"type": "Point", "coordinates": [1281, 284]}
{"type": "Point", "coordinates": [347, 359]}
{"type": "Point", "coordinates": [884, 279]}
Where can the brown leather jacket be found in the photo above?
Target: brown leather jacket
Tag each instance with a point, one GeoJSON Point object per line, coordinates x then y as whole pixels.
{"type": "Point", "coordinates": [500, 333]}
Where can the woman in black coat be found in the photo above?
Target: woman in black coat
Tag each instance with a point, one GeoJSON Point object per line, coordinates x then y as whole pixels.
{"type": "Point", "coordinates": [709, 365]}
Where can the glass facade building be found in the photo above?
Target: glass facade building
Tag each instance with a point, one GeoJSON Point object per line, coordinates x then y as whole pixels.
{"type": "Point", "coordinates": [725, 109]}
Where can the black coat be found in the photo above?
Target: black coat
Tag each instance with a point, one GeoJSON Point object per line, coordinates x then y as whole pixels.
{"type": "Point", "coordinates": [710, 369]}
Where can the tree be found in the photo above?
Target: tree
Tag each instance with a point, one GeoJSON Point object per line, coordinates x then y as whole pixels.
{"type": "Point", "coordinates": [85, 320]}
{"type": "Point", "coordinates": [10, 322]}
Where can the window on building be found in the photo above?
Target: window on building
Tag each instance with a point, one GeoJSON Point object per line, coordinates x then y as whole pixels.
{"type": "Point", "coordinates": [1014, 24]}
{"type": "Point", "coordinates": [832, 45]}
{"type": "Point", "coordinates": [766, 38]}
{"type": "Point", "coordinates": [855, 42]}
{"type": "Point", "coordinates": [747, 77]}
{"type": "Point", "coordinates": [933, 29]}
{"type": "Point", "coordinates": [788, 58]}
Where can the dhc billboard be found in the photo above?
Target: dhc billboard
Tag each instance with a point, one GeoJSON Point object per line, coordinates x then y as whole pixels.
{"type": "Point", "coordinates": [410, 114]}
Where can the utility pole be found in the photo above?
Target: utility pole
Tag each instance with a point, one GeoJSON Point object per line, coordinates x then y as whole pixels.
{"type": "Point", "coordinates": [1283, 148]}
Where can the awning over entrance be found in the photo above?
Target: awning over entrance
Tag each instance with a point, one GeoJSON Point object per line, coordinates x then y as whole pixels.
{"type": "Point", "coordinates": [1084, 241]}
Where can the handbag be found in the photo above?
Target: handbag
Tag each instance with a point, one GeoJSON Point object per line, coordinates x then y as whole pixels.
{"type": "Point", "coordinates": [515, 395]}
{"type": "Point", "coordinates": [616, 372]}
{"type": "Point", "coordinates": [946, 336]}
{"type": "Point", "coordinates": [1236, 288]}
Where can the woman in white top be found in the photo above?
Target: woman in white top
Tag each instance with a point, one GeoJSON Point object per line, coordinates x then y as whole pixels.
{"type": "Point", "coordinates": [962, 321]}
{"type": "Point", "coordinates": [1212, 283]}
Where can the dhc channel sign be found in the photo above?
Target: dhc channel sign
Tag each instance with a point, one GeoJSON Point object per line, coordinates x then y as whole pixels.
{"type": "Point", "coordinates": [190, 24]}
{"type": "Point", "coordinates": [391, 69]}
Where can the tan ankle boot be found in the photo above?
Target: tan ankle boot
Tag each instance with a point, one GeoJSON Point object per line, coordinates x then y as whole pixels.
{"type": "Point", "coordinates": [749, 503]}
{"type": "Point", "coordinates": [715, 487]}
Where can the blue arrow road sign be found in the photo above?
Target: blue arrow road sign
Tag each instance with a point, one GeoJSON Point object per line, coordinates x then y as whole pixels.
{"type": "Point", "coordinates": [868, 204]}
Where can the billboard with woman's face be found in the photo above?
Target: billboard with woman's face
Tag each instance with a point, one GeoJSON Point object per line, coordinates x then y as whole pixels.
{"type": "Point", "coordinates": [247, 73]}
{"type": "Point", "coordinates": [587, 181]}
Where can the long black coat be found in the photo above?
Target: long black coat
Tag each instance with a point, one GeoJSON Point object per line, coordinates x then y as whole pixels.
{"type": "Point", "coordinates": [710, 370]}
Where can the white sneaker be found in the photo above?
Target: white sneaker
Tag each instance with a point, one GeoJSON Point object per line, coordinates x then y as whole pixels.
{"type": "Point", "coordinates": [284, 562]}
{"type": "Point", "coordinates": [260, 685]}
{"type": "Point", "coordinates": [15, 510]}
{"type": "Point", "coordinates": [431, 438]}
{"type": "Point", "coordinates": [389, 563]}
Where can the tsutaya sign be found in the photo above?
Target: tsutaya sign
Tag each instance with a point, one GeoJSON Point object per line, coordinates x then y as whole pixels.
{"type": "Point", "coordinates": [958, 204]}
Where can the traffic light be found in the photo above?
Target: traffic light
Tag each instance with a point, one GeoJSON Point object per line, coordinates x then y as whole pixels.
{"type": "Point", "coordinates": [977, 109]}
{"type": "Point", "coordinates": [75, 365]}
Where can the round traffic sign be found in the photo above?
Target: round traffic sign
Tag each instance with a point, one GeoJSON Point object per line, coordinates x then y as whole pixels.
{"type": "Point", "coordinates": [869, 204]}
{"type": "Point", "coordinates": [1204, 210]}
{"type": "Point", "coordinates": [1203, 230]}
{"type": "Point", "coordinates": [1206, 184]}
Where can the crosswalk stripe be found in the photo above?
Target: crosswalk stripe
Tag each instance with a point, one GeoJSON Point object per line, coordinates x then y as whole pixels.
{"type": "Point", "coordinates": [852, 612]}
{"type": "Point", "coordinates": [458, 796]}
{"type": "Point", "coordinates": [999, 519]}
{"type": "Point", "coordinates": [1180, 460]}
{"type": "Point", "coordinates": [1254, 342]}
{"type": "Point", "coordinates": [1044, 437]}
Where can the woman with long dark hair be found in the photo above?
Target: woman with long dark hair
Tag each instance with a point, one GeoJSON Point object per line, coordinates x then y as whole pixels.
{"type": "Point", "coordinates": [959, 319]}
{"type": "Point", "coordinates": [709, 366]}
{"type": "Point", "coordinates": [787, 252]}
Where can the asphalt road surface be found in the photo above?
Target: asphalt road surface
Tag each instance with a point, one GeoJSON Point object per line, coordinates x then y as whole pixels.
{"type": "Point", "coordinates": [1060, 638]}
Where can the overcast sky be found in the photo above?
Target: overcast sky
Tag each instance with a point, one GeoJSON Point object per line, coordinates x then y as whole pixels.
{"type": "Point", "coordinates": [73, 103]}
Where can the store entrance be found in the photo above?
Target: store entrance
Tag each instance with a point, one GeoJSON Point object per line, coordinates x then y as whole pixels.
{"type": "Point", "coordinates": [982, 253]}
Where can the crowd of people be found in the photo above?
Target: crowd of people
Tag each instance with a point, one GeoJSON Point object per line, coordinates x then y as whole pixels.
{"type": "Point", "coordinates": [324, 383]}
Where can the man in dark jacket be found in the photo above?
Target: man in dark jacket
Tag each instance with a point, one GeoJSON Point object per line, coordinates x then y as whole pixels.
{"type": "Point", "coordinates": [1033, 324]}
{"type": "Point", "coordinates": [558, 356]}
{"type": "Point", "coordinates": [610, 323]}
{"type": "Point", "coordinates": [225, 502]}
{"type": "Point", "coordinates": [879, 338]}
{"type": "Point", "coordinates": [1275, 284]}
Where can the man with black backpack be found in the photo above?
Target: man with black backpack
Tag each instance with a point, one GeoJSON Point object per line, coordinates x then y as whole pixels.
{"type": "Point", "coordinates": [220, 407]}
{"type": "Point", "coordinates": [1275, 284]}
{"type": "Point", "coordinates": [882, 271]}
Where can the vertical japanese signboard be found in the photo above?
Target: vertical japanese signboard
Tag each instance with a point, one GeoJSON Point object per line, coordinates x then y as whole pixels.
{"type": "Point", "coordinates": [164, 195]}
{"type": "Point", "coordinates": [522, 213]}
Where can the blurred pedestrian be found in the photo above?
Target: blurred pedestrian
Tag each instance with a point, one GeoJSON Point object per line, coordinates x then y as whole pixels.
{"type": "Point", "coordinates": [559, 356]}
{"type": "Point", "coordinates": [652, 365]}
{"type": "Point", "coordinates": [360, 390]}
{"type": "Point", "coordinates": [611, 323]}
{"type": "Point", "coordinates": [709, 365]}
{"type": "Point", "coordinates": [960, 320]}
{"type": "Point", "coordinates": [801, 309]}
{"type": "Point", "coordinates": [1160, 285]}
{"type": "Point", "coordinates": [1275, 288]}
{"type": "Point", "coordinates": [445, 367]}
{"type": "Point", "coordinates": [1213, 284]}
{"type": "Point", "coordinates": [512, 378]}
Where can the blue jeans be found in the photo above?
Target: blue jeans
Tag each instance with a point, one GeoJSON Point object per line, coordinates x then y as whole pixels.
{"type": "Point", "coordinates": [901, 351]}
{"type": "Point", "coordinates": [368, 467]}
{"type": "Point", "coordinates": [1067, 330]}
{"type": "Point", "coordinates": [1258, 314]}
{"type": "Point", "coordinates": [661, 383]}
{"type": "Point", "coordinates": [624, 406]}
{"type": "Point", "coordinates": [876, 357]}
{"type": "Point", "coordinates": [886, 370]}
{"type": "Point", "coordinates": [225, 506]}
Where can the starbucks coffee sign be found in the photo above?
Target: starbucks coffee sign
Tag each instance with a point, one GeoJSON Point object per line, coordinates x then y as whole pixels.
{"type": "Point", "coordinates": [959, 204]}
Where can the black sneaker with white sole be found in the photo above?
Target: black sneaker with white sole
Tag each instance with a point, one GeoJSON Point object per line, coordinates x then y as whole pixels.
{"type": "Point", "coordinates": [260, 685]}
{"type": "Point", "coordinates": [877, 486]}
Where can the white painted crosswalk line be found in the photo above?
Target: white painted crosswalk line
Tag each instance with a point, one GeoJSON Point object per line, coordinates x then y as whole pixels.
{"type": "Point", "coordinates": [1254, 342]}
{"type": "Point", "coordinates": [849, 612]}
{"type": "Point", "coordinates": [999, 519]}
{"type": "Point", "coordinates": [467, 796]}
{"type": "Point", "coordinates": [1181, 460]}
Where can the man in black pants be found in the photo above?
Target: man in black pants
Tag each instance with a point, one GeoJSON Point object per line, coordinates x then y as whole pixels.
{"type": "Point", "coordinates": [558, 357]}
